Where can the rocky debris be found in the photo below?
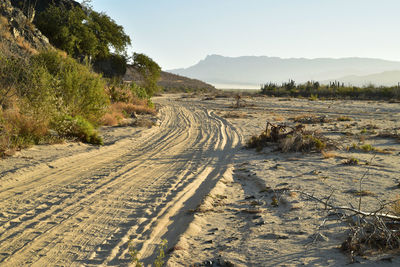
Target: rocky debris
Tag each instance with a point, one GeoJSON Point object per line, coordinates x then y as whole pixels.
{"type": "Point", "coordinates": [22, 37]}
{"type": "Point", "coordinates": [217, 262]}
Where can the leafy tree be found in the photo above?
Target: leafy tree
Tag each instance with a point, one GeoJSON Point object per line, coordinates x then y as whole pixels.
{"type": "Point", "coordinates": [108, 34]}
{"type": "Point", "coordinates": [149, 70]}
{"type": "Point", "coordinates": [83, 32]}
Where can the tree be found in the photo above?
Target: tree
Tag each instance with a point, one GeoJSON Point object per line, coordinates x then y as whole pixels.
{"type": "Point", "coordinates": [149, 70]}
{"type": "Point", "coordinates": [83, 32]}
{"type": "Point", "coordinates": [108, 33]}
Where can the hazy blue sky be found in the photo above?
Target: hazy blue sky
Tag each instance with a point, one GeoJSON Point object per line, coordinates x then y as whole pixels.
{"type": "Point", "coordinates": [179, 33]}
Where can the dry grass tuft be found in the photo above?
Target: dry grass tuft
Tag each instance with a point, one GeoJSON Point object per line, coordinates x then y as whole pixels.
{"type": "Point", "coordinates": [344, 118]}
{"type": "Point", "coordinates": [19, 131]}
{"type": "Point", "coordinates": [120, 110]}
{"type": "Point", "coordinates": [310, 119]}
{"type": "Point", "coordinates": [139, 107]}
{"type": "Point", "coordinates": [278, 118]}
{"type": "Point", "coordinates": [21, 42]}
{"type": "Point", "coordinates": [328, 154]}
{"type": "Point", "coordinates": [4, 31]}
{"type": "Point", "coordinates": [112, 118]}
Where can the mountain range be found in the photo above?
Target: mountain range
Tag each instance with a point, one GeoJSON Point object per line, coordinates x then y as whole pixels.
{"type": "Point", "coordinates": [248, 71]}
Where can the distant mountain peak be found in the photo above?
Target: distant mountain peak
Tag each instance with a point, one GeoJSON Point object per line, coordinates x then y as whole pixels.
{"type": "Point", "coordinates": [255, 70]}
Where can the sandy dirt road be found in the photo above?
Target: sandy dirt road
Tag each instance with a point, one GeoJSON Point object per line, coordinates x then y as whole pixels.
{"type": "Point", "coordinates": [85, 207]}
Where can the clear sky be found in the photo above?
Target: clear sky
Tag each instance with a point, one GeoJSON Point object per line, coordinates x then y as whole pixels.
{"type": "Point", "coordinates": [179, 33]}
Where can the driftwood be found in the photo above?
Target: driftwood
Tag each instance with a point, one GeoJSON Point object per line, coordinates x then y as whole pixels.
{"type": "Point", "coordinates": [356, 211]}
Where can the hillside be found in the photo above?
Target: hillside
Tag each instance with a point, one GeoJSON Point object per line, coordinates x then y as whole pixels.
{"type": "Point", "coordinates": [217, 69]}
{"type": "Point", "coordinates": [171, 82]}
{"type": "Point", "coordinates": [19, 37]}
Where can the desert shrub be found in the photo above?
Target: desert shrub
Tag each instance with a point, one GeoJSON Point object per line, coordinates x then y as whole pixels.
{"type": "Point", "coordinates": [364, 148]}
{"type": "Point", "coordinates": [258, 141]}
{"type": "Point", "coordinates": [14, 78]}
{"type": "Point", "coordinates": [139, 91]}
{"type": "Point", "coordinates": [18, 130]}
{"type": "Point", "coordinates": [49, 89]}
{"type": "Point", "coordinates": [335, 89]}
{"type": "Point", "coordinates": [313, 97]}
{"type": "Point", "coordinates": [128, 93]}
{"type": "Point", "coordinates": [290, 139]}
{"type": "Point", "coordinates": [77, 127]}
{"type": "Point", "coordinates": [78, 90]}
{"type": "Point", "coordinates": [344, 118]}
{"type": "Point", "coordinates": [119, 93]}
{"type": "Point", "coordinates": [367, 147]}
{"type": "Point", "coordinates": [159, 262]}
{"type": "Point", "coordinates": [351, 161]}
{"type": "Point", "coordinates": [301, 142]}
{"type": "Point", "coordinates": [311, 119]}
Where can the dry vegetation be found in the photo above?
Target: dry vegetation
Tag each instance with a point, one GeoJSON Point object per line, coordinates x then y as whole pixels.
{"type": "Point", "coordinates": [294, 139]}
{"type": "Point", "coordinates": [370, 232]}
{"type": "Point", "coordinates": [50, 96]}
{"type": "Point", "coordinates": [342, 197]}
{"type": "Point", "coordinates": [4, 31]}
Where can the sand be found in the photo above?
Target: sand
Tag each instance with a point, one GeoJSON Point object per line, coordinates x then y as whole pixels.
{"type": "Point", "coordinates": [239, 222]}
{"type": "Point", "coordinates": [190, 181]}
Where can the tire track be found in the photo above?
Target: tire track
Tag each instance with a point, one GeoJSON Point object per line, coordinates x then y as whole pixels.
{"type": "Point", "coordinates": [88, 207]}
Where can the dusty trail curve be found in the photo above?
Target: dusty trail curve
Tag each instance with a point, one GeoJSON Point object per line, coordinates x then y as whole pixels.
{"type": "Point", "coordinates": [85, 208]}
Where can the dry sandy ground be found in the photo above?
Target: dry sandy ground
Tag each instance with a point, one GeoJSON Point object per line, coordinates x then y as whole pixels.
{"type": "Point", "coordinates": [189, 181]}
{"type": "Point", "coordinates": [239, 222]}
{"type": "Point", "coordinates": [81, 205]}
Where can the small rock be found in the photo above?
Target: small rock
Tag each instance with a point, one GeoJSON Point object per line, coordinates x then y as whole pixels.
{"type": "Point", "coordinates": [274, 236]}
{"type": "Point", "coordinates": [262, 222]}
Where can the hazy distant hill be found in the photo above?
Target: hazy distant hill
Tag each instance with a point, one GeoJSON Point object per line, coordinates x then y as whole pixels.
{"type": "Point", "coordinates": [217, 69]}
{"type": "Point", "coordinates": [387, 78]}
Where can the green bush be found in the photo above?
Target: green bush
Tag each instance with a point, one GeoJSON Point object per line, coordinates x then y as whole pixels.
{"type": "Point", "coordinates": [139, 91]}
{"type": "Point", "coordinates": [335, 89]}
{"type": "Point", "coordinates": [78, 90]}
{"type": "Point", "coordinates": [48, 91]}
{"type": "Point", "coordinates": [78, 127]}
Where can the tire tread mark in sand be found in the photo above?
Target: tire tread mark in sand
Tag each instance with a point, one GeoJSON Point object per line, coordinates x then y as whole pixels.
{"type": "Point", "coordinates": [132, 178]}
